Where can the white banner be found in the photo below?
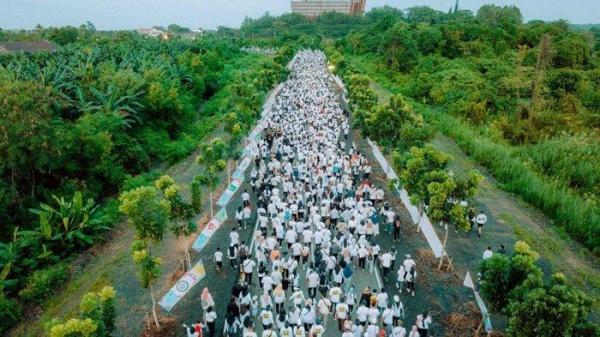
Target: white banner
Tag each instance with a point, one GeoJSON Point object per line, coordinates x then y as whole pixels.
{"type": "Point", "coordinates": [430, 235]}
{"type": "Point", "coordinates": [183, 286]}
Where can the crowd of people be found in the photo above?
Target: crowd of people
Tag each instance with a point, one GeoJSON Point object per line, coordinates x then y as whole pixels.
{"type": "Point", "coordinates": [318, 219]}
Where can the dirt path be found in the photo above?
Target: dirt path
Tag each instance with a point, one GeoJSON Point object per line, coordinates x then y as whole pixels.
{"type": "Point", "coordinates": [511, 219]}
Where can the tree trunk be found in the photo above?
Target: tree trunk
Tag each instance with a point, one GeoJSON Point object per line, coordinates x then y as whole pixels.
{"type": "Point", "coordinates": [211, 205]}
{"type": "Point", "coordinates": [228, 171]}
{"type": "Point", "coordinates": [188, 258]}
{"type": "Point", "coordinates": [154, 308]}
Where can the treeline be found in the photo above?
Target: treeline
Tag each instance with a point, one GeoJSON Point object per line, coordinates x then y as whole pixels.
{"type": "Point", "coordinates": [79, 125]}
{"type": "Point", "coordinates": [530, 89]}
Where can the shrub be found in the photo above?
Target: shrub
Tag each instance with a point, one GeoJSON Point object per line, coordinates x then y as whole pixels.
{"type": "Point", "coordinates": [43, 283]}
{"type": "Point", "coordinates": [10, 312]}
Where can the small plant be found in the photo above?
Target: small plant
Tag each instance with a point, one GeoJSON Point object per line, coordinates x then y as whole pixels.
{"type": "Point", "coordinates": [43, 283]}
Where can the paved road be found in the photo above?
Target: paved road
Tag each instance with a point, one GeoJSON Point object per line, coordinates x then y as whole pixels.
{"type": "Point", "coordinates": [221, 284]}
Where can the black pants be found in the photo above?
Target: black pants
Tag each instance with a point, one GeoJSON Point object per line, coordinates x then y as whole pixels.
{"type": "Point", "coordinates": [361, 262]}
{"type": "Point", "coordinates": [248, 278]}
{"type": "Point", "coordinates": [423, 332]}
{"type": "Point", "coordinates": [396, 233]}
{"type": "Point", "coordinates": [312, 292]}
{"type": "Point", "coordinates": [211, 328]}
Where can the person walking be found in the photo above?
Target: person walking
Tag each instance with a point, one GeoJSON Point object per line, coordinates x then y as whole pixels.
{"type": "Point", "coordinates": [210, 317]}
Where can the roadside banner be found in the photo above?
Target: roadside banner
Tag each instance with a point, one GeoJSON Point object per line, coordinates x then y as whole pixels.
{"type": "Point", "coordinates": [487, 323]}
{"type": "Point", "coordinates": [230, 191]}
{"type": "Point", "coordinates": [387, 168]}
{"type": "Point", "coordinates": [469, 281]}
{"type": "Point", "coordinates": [209, 230]}
{"type": "Point", "coordinates": [241, 169]}
{"type": "Point", "coordinates": [424, 224]}
{"type": "Point", "coordinates": [431, 237]}
{"type": "Point", "coordinates": [412, 209]}
{"type": "Point", "coordinates": [183, 286]}
{"type": "Point", "coordinates": [251, 149]}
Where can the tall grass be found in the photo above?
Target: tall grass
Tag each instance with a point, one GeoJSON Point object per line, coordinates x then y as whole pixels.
{"type": "Point", "coordinates": [573, 160]}
{"type": "Point", "coordinates": [579, 217]}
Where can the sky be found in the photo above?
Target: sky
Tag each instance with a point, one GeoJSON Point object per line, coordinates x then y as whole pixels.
{"type": "Point", "coordinates": [208, 14]}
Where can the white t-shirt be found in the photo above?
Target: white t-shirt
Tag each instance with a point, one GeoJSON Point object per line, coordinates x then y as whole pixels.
{"type": "Point", "coordinates": [248, 266]}
{"type": "Point", "coordinates": [219, 256]}
{"type": "Point", "coordinates": [386, 260]}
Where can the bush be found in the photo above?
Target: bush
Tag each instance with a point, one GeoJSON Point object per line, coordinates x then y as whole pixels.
{"type": "Point", "coordinates": [43, 283]}
{"type": "Point", "coordinates": [10, 312]}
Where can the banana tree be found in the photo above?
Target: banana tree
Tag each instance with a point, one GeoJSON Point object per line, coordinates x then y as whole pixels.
{"type": "Point", "coordinates": [70, 223]}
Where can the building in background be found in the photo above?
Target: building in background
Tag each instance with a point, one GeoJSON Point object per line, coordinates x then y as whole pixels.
{"type": "Point", "coordinates": [312, 8]}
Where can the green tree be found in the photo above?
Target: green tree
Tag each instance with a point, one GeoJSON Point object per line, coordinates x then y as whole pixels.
{"type": "Point", "coordinates": [396, 125]}
{"type": "Point", "coordinates": [401, 51]}
{"type": "Point", "coordinates": [148, 271]}
{"type": "Point", "coordinates": [417, 169]}
{"type": "Point", "coordinates": [552, 310]}
{"type": "Point", "coordinates": [212, 160]}
{"type": "Point", "coordinates": [147, 211]}
{"type": "Point", "coordinates": [501, 275]}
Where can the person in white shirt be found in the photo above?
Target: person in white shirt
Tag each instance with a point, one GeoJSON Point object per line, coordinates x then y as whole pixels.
{"type": "Point", "coordinates": [341, 313]}
{"type": "Point", "coordinates": [269, 333]}
{"type": "Point", "coordinates": [372, 330]}
{"type": "Point", "coordinates": [488, 253]}
{"type": "Point", "coordinates": [398, 331]}
{"type": "Point", "coordinates": [247, 215]}
{"type": "Point", "coordinates": [480, 219]}
{"type": "Point", "coordinates": [219, 259]}
{"type": "Point", "coordinates": [313, 282]}
{"type": "Point", "coordinates": [249, 331]}
{"type": "Point", "coordinates": [317, 329]}
{"type": "Point", "coordinates": [246, 198]}
{"type": "Point", "coordinates": [299, 330]}
{"type": "Point", "coordinates": [386, 263]}
{"type": "Point", "coordinates": [324, 307]}
{"type": "Point", "coordinates": [234, 238]}
{"type": "Point", "coordinates": [362, 314]}
{"type": "Point", "coordinates": [373, 315]}
{"type": "Point", "coordinates": [248, 268]}
{"type": "Point", "coordinates": [286, 330]}
{"type": "Point", "coordinates": [239, 217]}
{"type": "Point", "coordinates": [414, 332]}
{"type": "Point", "coordinates": [210, 316]}
{"type": "Point", "coordinates": [398, 309]}
{"type": "Point", "coordinates": [387, 317]}
{"type": "Point", "coordinates": [308, 316]}
{"type": "Point", "coordinates": [266, 317]}
{"type": "Point", "coordinates": [382, 300]}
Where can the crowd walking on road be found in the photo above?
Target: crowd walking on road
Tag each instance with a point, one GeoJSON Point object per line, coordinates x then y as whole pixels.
{"type": "Point", "coordinates": [318, 218]}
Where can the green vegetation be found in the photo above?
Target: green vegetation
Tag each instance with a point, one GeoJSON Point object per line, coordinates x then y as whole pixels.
{"type": "Point", "coordinates": [515, 286]}
{"type": "Point", "coordinates": [519, 97]}
{"type": "Point", "coordinates": [104, 110]}
{"type": "Point", "coordinates": [96, 317]}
